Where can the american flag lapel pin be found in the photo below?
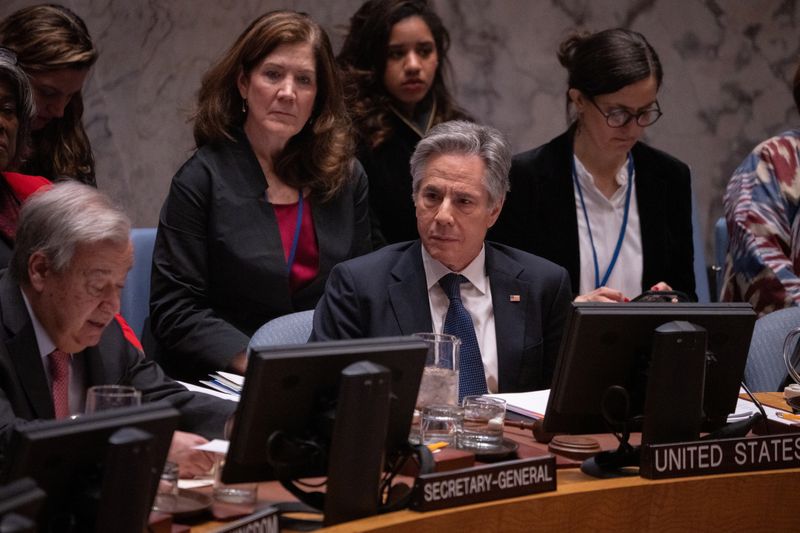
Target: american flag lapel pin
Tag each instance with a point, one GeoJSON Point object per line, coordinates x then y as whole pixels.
{"type": "Point", "coordinates": [514, 298]}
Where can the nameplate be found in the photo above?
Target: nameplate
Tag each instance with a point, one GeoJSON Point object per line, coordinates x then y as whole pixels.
{"type": "Point", "coordinates": [723, 456]}
{"type": "Point", "coordinates": [262, 521]}
{"type": "Point", "coordinates": [441, 490]}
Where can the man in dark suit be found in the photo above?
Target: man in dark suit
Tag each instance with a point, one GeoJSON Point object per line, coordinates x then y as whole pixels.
{"type": "Point", "coordinates": [517, 302]}
{"type": "Point", "coordinates": [60, 331]}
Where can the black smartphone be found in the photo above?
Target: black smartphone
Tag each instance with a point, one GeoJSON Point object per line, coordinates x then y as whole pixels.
{"type": "Point", "coordinates": [662, 296]}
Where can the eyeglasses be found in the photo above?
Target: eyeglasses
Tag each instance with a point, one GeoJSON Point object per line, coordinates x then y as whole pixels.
{"type": "Point", "coordinates": [618, 118]}
{"type": "Point", "coordinates": [7, 53]}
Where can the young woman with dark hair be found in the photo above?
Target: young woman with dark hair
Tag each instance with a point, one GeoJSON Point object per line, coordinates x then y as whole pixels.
{"type": "Point", "coordinates": [616, 213]}
{"type": "Point", "coordinates": [394, 61]}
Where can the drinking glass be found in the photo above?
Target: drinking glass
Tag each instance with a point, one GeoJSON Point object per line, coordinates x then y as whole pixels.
{"type": "Point", "coordinates": [166, 499]}
{"type": "Point", "coordinates": [239, 493]}
{"type": "Point", "coordinates": [482, 428]}
{"type": "Point", "coordinates": [441, 423]}
{"type": "Point", "coordinates": [102, 397]}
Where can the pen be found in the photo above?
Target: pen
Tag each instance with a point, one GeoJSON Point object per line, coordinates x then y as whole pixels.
{"type": "Point", "coordinates": [789, 416]}
{"type": "Point", "coordinates": [437, 446]}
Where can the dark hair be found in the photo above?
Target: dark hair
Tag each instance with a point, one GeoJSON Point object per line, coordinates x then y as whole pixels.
{"type": "Point", "coordinates": [796, 88]}
{"type": "Point", "coordinates": [46, 38]}
{"type": "Point", "coordinates": [606, 61]}
{"type": "Point", "coordinates": [363, 62]}
{"type": "Point", "coordinates": [321, 154]}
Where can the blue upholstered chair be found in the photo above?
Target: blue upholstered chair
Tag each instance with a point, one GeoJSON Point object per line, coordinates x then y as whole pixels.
{"type": "Point", "coordinates": [765, 370]}
{"type": "Point", "coordinates": [294, 328]}
{"type": "Point", "coordinates": [135, 298]}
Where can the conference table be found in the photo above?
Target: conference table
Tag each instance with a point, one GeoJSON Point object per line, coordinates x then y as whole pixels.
{"type": "Point", "coordinates": [752, 501]}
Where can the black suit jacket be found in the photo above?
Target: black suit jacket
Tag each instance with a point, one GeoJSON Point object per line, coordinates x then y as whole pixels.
{"type": "Point", "coordinates": [385, 294]}
{"type": "Point", "coordinates": [394, 217]}
{"type": "Point", "coordinates": [219, 270]}
{"type": "Point", "coordinates": [25, 393]}
{"type": "Point", "coordinates": [539, 214]}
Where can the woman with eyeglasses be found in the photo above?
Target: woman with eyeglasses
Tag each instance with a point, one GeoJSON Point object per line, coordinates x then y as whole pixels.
{"type": "Point", "coordinates": [55, 50]}
{"type": "Point", "coordinates": [16, 113]}
{"type": "Point", "coordinates": [615, 212]}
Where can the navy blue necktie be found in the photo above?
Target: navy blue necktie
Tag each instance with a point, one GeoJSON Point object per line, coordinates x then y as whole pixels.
{"type": "Point", "coordinates": [458, 322]}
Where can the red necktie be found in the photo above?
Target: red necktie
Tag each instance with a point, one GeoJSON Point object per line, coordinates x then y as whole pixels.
{"type": "Point", "coordinates": [59, 372]}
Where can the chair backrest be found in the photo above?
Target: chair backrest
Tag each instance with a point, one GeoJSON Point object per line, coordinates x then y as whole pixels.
{"type": "Point", "coordinates": [700, 266]}
{"type": "Point", "coordinates": [135, 299]}
{"type": "Point", "coordinates": [765, 370]}
{"type": "Point", "coordinates": [294, 328]}
{"type": "Point", "coordinates": [720, 251]}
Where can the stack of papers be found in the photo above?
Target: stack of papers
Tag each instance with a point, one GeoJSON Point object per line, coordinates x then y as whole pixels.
{"type": "Point", "coordinates": [225, 382]}
{"type": "Point", "coordinates": [221, 384]}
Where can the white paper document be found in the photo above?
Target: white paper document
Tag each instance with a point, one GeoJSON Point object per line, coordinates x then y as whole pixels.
{"type": "Point", "coordinates": [205, 390]}
{"type": "Point", "coordinates": [531, 404]}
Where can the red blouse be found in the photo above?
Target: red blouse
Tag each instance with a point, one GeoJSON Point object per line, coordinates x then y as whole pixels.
{"type": "Point", "coordinates": [306, 258]}
{"type": "Point", "coordinates": [21, 186]}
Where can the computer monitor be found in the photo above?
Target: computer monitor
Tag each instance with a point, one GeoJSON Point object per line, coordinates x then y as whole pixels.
{"type": "Point", "coordinates": [20, 503]}
{"type": "Point", "coordinates": [303, 403]}
{"type": "Point", "coordinates": [100, 471]}
{"type": "Point", "coordinates": [607, 345]}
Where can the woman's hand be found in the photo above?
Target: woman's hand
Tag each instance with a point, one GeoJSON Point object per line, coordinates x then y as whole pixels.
{"type": "Point", "coordinates": [603, 294]}
{"type": "Point", "coordinates": [661, 286]}
{"type": "Point", "coordinates": [190, 462]}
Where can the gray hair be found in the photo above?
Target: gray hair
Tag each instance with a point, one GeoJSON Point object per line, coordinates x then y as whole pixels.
{"type": "Point", "coordinates": [11, 73]}
{"type": "Point", "coordinates": [57, 219]}
{"type": "Point", "coordinates": [466, 138]}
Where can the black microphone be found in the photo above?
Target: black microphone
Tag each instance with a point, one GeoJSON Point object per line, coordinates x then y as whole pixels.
{"type": "Point", "coordinates": [741, 428]}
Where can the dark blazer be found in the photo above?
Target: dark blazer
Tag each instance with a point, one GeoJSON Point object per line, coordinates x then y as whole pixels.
{"type": "Point", "coordinates": [394, 216]}
{"type": "Point", "coordinates": [385, 294]}
{"type": "Point", "coordinates": [219, 270]}
{"type": "Point", "coordinates": [25, 394]}
{"type": "Point", "coordinates": [539, 214]}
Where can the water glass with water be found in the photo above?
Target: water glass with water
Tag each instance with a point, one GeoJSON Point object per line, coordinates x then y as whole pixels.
{"type": "Point", "coordinates": [482, 428]}
{"type": "Point", "coordinates": [441, 423]}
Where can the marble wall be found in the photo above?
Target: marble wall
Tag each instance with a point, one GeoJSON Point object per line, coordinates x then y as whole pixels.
{"type": "Point", "coordinates": [728, 67]}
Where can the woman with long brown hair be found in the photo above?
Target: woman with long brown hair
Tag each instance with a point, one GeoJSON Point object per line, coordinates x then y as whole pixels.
{"type": "Point", "coordinates": [55, 50]}
{"type": "Point", "coordinates": [271, 200]}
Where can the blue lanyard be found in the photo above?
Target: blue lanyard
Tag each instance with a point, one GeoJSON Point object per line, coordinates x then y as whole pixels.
{"type": "Point", "coordinates": [597, 281]}
{"type": "Point", "coordinates": [296, 232]}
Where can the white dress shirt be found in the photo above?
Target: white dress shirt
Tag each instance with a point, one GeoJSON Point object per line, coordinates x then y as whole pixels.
{"type": "Point", "coordinates": [77, 379]}
{"type": "Point", "coordinates": [605, 218]}
{"type": "Point", "coordinates": [477, 298]}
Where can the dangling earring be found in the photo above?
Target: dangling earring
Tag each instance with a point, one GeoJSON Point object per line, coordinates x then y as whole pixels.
{"type": "Point", "coordinates": [244, 105]}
